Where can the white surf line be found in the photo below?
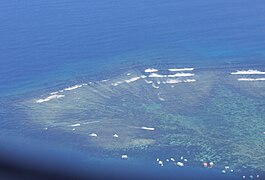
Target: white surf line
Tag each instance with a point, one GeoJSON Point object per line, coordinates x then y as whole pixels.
{"type": "Point", "coordinates": [181, 69]}
{"type": "Point", "coordinates": [160, 98]}
{"type": "Point", "coordinates": [147, 128]}
{"type": "Point", "coordinates": [143, 127]}
{"type": "Point", "coordinates": [93, 135]}
{"type": "Point", "coordinates": [74, 87]}
{"type": "Point", "coordinates": [251, 79]}
{"type": "Point", "coordinates": [75, 125]}
{"type": "Point", "coordinates": [180, 75]}
{"type": "Point", "coordinates": [115, 135]}
{"type": "Point", "coordinates": [154, 86]}
{"type": "Point", "coordinates": [175, 81]}
{"type": "Point", "coordinates": [160, 163]}
{"type": "Point", "coordinates": [91, 122]}
{"type": "Point", "coordinates": [181, 164]}
{"type": "Point", "coordinates": [190, 80]}
{"type": "Point", "coordinates": [172, 81]}
{"type": "Point", "coordinates": [150, 70]}
{"type": "Point", "coordinates": [124, 156]}
{"type": "Point", "coordinates": [50, 98]}
{"type": "Point", "coordinates": [53, 93]}
{"type": "Point", "coordinates": [132, 79]}
{"type": "Point", "coordinates": [148, 82]}
{"type": "Point", "coordinates": [129, 80]}
{"type": "Point", "coordinates": [155, 75]}
{"type": "Point", "coordinates": [248, 72]}
{"type": "Point", "coordinates": [117, 83]}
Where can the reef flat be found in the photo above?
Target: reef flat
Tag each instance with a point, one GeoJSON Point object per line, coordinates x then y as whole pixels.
{"type": "Point", "coordinates": [212, 116]}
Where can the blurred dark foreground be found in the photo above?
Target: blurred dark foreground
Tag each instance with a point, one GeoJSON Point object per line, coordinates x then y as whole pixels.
{"type": "Point", "coordinates": [20, 160]}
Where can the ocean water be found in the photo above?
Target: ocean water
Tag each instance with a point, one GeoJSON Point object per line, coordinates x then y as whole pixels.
{"type": "Point", "coordinates": [74, 70]}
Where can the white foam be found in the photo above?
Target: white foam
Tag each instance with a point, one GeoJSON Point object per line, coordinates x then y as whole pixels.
{"type": "Point", "coordinates": [49, 98]}
{"type": "Point", "coordinates": [189, 80]}
{"type": "Point", "coordinates": [160, 98]}
{"type": "Point", "coordinates": [148, 82]}
{"type": "Point", "coordinates": [155, 75]}
{"type": "Point", "coordinates": [93, 135]}
{"type": "Point", "coordinates": [181, 69]}
{"type": "Point", "coordinates": [173, 81]}
{"type": "Point", "coordinates": [73, 87]}
{"type": "Point", "coordinates": [132, 79]}
{"type": "Point", "coordinates": [150, 70]}
{"type": "Point", "coordinates": [75, 125]}
{"type": "Point", "coordinates": [128, 74]}
{"type": "Point", "coordinates": [124, 156]}
{"type": "Point", "coordinates": [160, 163]}
{"type": "Point", "coordinates": [53, 93]}
{"type": "Point", "coordinates": [91, 122]}
{"type": "Point", "coordinates": [115, 135]}
{"type": "Point", "coordinates": [180, 164]}
{"type": "Point", "coordinates": [116, 83]}
{"type": "Point", "coordinates": [148, 128]}
{"type": "Point", "coordinates": [154, 86]}
{"type": "Point", "coordinates": [181, 75]}
{"type": "Point", "coordinates": [248, 72]}
{"type": "Point", "coordinates": [143, 76]}
{"type": "Point", "coordinates": [251, 79]}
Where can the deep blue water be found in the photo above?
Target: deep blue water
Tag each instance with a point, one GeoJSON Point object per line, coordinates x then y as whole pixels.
{"type": "Point", "coordinates": [44, 44]}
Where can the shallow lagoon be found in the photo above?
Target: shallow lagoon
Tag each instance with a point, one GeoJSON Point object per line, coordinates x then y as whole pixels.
{"type": "Point", "coordinates": [195, 116]}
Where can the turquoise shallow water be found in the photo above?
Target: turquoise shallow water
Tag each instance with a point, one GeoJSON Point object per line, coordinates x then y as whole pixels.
{"type": "Point", "coordinates": [50, 46]}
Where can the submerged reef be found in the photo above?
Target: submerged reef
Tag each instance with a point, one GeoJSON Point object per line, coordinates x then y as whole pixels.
{"type": "Point", "coordinates": [208, 115]}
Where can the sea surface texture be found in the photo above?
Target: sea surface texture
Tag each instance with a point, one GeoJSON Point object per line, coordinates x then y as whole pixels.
{"type": "Point", "coordinates": [164, 82]}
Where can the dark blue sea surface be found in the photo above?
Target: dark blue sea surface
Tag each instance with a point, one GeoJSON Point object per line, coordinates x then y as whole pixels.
{"type": "Point", "coordinates": [46, 46]}
{"type": "Point", "coordinates": [43, 42]}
